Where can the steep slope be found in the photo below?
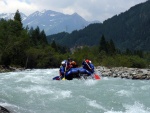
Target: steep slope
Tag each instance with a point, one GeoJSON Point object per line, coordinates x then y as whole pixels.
{"type": "Point", "coordinates": [130, 29]}
{"type": "Point", "coordinates": [51, 22]}
{"type": "Point", "coordinates": [54, 22]}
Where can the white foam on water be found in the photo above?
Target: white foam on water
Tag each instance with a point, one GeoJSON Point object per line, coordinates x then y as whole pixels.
{"type": "Point", "coordinates": [145, 87]}
{"type": "Point", "coordinates": [136, 108]}
{"type": "Point", "coordinates": [29, 78]}
{"type": "Point", "coordinates": [62, 94]}
{"type": "Point", "coordinates": [124, 93]}
{"type": "Point", "coordinates": [90, 82]}
{"type": "Point", "coordinates": [105, 78]}
{"type": "Point", "coordinates": [11, 107]}
{"type": "Point", "coordinates": [5, 104]}
{"type": "Point", "coordinates": [36, 89]}
{"type": "Point", "coordinates": [66, 94]}
{"type": "Point", "coordinates": [94, 104]}
{"type": "Point", "coordinates": [32, 91]}
{"type": "Point", "coordinates": [113, 112]}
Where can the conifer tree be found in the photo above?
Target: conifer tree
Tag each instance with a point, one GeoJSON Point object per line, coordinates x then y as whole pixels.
{"type": "Point", "coordinates": [35, 36]}
{"type": "Point", "coordinates": [17, 26]}
{"type": "Point", "coordinates": [17, 17]}
{"type": "Point", "coordinates": [103, 45]}
{"type": "Point", "coordinates": [43, 37]}
{"type": "Point", "coordinates": [112, 48]}
{"type": "Point", "coordinates": [53, 45]}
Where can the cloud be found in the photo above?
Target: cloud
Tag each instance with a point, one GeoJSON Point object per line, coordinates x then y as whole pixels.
{"type": "Point", "coordinates": [88, 9]}
{"type": "Point", "coordinates": [13, 5]}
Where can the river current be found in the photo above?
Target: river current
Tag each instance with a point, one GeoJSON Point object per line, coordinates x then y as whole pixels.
{"type": "Point", "coordinates": [34, 91]}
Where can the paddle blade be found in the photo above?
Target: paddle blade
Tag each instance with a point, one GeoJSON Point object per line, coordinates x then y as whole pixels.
{"type": "Point", "coordinates": [64, 78]}
{"type": "Point", "coordinates": [97, 77]}
{"type": "Point", "coordinates": [56, 78]}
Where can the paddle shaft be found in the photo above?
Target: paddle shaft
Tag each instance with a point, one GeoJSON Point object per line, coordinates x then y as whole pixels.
{"type": "Point", "coordinates": [87, 65]}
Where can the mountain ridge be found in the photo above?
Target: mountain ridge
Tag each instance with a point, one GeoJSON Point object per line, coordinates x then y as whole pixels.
{"type": "Point", "coordinates": [130, 29]}
{"type": "Point", "coordinates": [51, 22]}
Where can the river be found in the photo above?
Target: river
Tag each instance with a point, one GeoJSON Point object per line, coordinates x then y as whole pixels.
{"type": "Point", "coordinates": [34, 91]}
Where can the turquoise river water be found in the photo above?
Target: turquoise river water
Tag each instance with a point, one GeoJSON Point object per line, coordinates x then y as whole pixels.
{"type": "Point", "coordinates": [34, 91]}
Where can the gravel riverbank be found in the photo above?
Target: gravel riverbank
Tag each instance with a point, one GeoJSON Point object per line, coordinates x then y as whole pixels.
{"type": "Point", "coordinates": [4, 69]}
{"type": "Point", "coordinates": [124, 72]}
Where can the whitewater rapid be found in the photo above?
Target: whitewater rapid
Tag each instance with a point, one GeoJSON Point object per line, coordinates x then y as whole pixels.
{"type": "Point", "coordinates": [34, 91]}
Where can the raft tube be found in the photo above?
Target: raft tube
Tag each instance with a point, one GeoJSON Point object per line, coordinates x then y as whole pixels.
{"type": "Point", "coordinates": [74, 73]}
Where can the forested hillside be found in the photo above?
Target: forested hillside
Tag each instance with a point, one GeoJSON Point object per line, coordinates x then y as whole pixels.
{"type": "Point", "coordinates": [28, 48]}
{"type": "Point", "coordinates": [25, 47]}
{"type": "Point", "coordinates": [130, 29]}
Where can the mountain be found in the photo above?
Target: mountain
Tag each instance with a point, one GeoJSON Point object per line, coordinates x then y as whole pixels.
{"type": "Point", "coordinates": [51, 22]}
{"type": "Point", "coordinates": [54, 22]}
{"type": "Point", "coordinates": [130, 29]}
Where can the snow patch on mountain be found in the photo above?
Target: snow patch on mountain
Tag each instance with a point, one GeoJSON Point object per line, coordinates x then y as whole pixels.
{"type": "Point", "coordinates": [51, 22]}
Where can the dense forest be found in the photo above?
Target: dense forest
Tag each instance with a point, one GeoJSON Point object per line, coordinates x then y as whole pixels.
{"type": "Point", "coordinates": [130, 29]}
{"type": "Point", "coordinates": [26, 47]}
{"type": "Point", "coordinates": [29, 48]}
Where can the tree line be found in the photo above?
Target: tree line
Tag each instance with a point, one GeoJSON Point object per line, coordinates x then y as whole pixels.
{"type": "Point", "coordinates": [107, 54]}
{"type": "Point", "coordinates": [29, 48]}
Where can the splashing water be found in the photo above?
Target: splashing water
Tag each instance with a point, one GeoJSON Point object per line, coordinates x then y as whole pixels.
{"type": "Point", "coordinates": [34, 91]}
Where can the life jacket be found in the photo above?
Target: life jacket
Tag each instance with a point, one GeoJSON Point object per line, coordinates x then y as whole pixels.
{"type": "Point", "coordinates": [74, 64]}
{"type": "Point", "coordinates": [62, 70]}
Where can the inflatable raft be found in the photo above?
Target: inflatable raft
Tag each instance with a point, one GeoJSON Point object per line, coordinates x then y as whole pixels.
{"type": "Point", "coordinates": [77, 73]}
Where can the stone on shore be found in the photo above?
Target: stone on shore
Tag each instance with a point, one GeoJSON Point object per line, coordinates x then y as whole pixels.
{"type": "Point", "coordinates": [124, 72]}
{"type": "Point", "coordinates": [9, 69]}
{"type": "Point", "coordinates": [4, 110]}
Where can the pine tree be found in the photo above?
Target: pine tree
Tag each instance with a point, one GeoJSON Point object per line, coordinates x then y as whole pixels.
{"type": "Point", "coordinates": [103, 45]}
{"type": "Point", "coordinates": [53, 45]}
{"type": "Point", "coordinates": [43, 37]}
{"type": "Point", "coordinates": [35, 36]}
{"type": "Point", "coordinates": [17, 26]}
{"type": "Point", "coordinates": [112, 48]}
{"type": "Point", "coordinates": [17, 17]}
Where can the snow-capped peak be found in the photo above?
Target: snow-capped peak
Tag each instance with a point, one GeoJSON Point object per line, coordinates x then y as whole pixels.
{"type": "Point", "coordinates": [52, 22]}
{"type": "Point", "coordinates": [43, 11]}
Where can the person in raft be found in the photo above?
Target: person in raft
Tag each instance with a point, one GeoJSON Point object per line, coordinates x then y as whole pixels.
{"type": "Point", "coordinates": [87, 64]}
{"type": "Point", "coordinates": [71, 63]}
{"type": "Point", "coordinates": [62, 69]}
{"type": "Point", "coordinates": [66, 65]}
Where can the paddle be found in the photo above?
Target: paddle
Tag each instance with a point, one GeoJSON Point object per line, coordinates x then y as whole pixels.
{"type": "Point", "coordinates": [97, 77]}
{"type": "Point", "coordinates": [65, 72]}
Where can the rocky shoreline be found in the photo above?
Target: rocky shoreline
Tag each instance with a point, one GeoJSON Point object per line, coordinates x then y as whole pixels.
{"type": "Point", "coordinates": [124, 72]}
{"type": "Point", "coordinates": [4, 69]}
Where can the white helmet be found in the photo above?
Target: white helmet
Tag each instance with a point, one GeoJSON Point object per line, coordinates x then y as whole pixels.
{"type": "Point", "coordinates": [63, 62]}
{"type": "Point", "coordinates": [90, 61]}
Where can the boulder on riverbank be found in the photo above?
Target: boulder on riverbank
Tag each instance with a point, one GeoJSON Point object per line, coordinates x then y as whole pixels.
{"type": "Point", "coordinates": [4, 110]}
{"type": "Point", "coordinates": [9, 69]}
{"type": "Point", "coordinates": [124, 72]}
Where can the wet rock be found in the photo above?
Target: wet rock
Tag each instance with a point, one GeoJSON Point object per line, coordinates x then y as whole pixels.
{"type": "Point", "coordinates": [9, 69]}
{"type": "Point", "coordinates": [4, 110]}
{"type": "Point", "coordinates": [124, 72]}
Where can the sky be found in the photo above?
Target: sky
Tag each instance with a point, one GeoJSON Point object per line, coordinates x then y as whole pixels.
{"type": "Point", "coordinates": [90, 10]}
